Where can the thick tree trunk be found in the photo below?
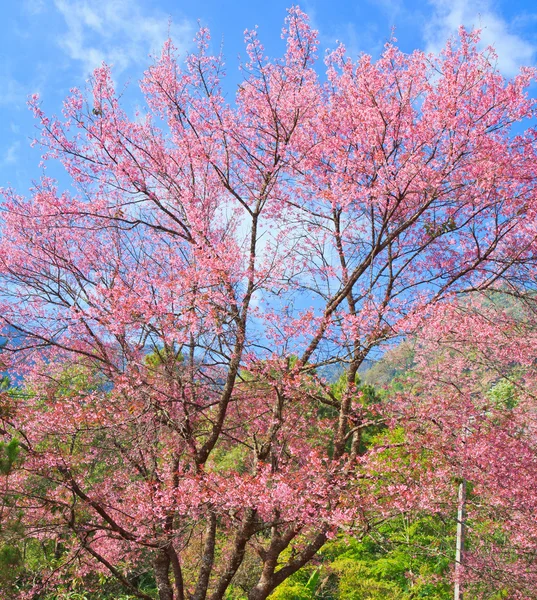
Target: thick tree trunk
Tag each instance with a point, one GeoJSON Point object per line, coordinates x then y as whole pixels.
{"type": "Point", "coordinates": [207, 560]}
{"type": "Point", "coordinates": [161, 566]}
{"type": "Point", "coordinates": [236, 557]}
{"type": "Point", "coordinates": [271, 579]}
{"type": "Point", "coordinates": [177, 573]}
{"type": "Point", "coordinates": [261, 591]}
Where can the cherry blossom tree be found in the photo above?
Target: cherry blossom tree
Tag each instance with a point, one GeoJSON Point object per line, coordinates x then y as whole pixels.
{"type": "Point", "coordinates": [169, 315]}
{"type": "Point", "coordinates": [470, 415]}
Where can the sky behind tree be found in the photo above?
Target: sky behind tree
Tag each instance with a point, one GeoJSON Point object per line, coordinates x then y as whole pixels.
{"type": "Point", "coordinates": [50, 46]}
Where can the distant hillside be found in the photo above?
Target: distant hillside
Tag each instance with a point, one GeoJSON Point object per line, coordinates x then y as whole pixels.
{"type": "Point", "coordinates": [378, 373]}
{"type": "Point", "coordinates": [395, 362]}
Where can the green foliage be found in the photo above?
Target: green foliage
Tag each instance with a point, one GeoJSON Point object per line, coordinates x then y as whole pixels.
{"type": "Point", "coordinates": [100, 587]}
{"type": "Point", "coordinates": [503, 394]}
{"type": "Point", "coordinates": [5, 384]}
{"type": "Point", "coordinates": [434, 229]}
{"type": "Point", "coordinates": [11, 564]}
{"type": "Point", "coordinates": [356, 582]}
{"type": "Point", "coordinates": [163, 356]}
{"type": "Point", "coordinates": [9, 452]}
{"type": "Point", "coordinates": [231, 460]}
{"type": "Point", "coordinates": [366, 396]}
{"type": "Point", "coordinates": [304, 585]}
{"type": "Point", "coordinates": [405, 558]}
{"type": "Point", "coordinates": [81, 595]}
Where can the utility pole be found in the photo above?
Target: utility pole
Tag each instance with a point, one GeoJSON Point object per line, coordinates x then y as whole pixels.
{"type": "Point", "coordinates": [459, 552]}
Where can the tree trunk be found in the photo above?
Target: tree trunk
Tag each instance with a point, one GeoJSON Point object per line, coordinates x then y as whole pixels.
{"type": "Point", "coordinates": [270, 579]}
{"type": "Point", "coordinates": [161, 567]}
{"type": "Point", "coordinates": [260, 591]}
{"type": "Point", "coordinates": [207, 560]}
{"type": "Point", "coordinates": [177, 573]}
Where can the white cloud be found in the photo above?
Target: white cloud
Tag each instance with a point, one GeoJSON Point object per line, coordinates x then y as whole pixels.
{"type": "Point", "coordinates": [33, 7]}
{"type": "Point", "coordinates": [119, 32]}
{"type": "Point", "coordinates": [12, 92]}
{"type": "Point", "coordinates": [392, 8]}
{"type": "Point", "coordinates": [11, 155]}
{"type": "Point", "coordinates": [512, 49]}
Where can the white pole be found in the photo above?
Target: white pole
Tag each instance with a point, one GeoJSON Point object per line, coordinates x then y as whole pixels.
{"type": "Point", "coordinates": [459, 553]}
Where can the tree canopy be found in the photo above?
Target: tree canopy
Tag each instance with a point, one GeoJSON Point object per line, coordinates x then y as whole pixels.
{"type": "Point", "coordinates": [168, 317]}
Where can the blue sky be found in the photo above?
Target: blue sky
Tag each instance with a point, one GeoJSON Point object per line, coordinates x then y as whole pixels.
{"type": "Point", "coordinates": [49, 46]}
